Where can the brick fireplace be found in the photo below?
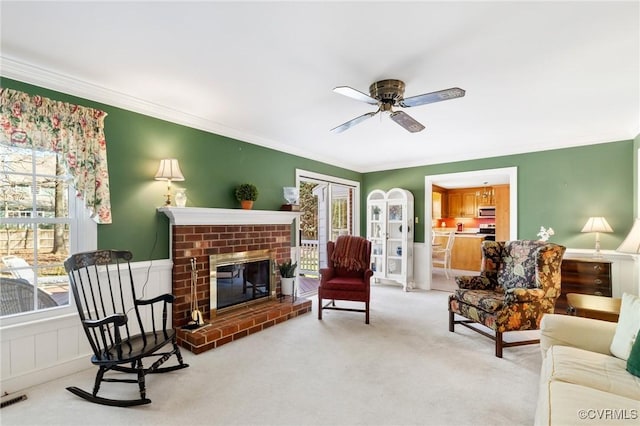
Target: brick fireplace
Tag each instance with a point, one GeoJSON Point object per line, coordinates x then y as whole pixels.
{"type": "Point", "coordinates": [200, 232]}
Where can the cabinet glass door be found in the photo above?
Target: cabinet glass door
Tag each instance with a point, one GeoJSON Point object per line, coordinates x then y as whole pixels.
{"type": "Point", "coordinates": [376, 220]}
{"type": "Point", "coordinates": [394, 239]}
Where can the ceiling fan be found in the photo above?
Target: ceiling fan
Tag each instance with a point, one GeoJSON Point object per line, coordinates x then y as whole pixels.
{"type": "Point", "coordinates": [390, 93]}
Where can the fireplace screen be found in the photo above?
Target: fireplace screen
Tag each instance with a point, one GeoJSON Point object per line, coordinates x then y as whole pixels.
{"type": "Point", "coordinates": [239, 278]}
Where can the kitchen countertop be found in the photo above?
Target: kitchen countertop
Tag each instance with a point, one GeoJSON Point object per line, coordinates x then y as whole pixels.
{"type": "Point", "coordinates": [470, 235]}
{"type": "Point", "coordinates": [469, 232]}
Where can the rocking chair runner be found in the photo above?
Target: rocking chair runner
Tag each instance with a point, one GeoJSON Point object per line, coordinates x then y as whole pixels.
{"type": "Point", "coordinates": [105, 295]}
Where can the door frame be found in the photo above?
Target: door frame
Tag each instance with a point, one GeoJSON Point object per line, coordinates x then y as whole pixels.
{"type": "Point", "coordinates": [475, 176]}
{"type": "Point", "coordinates": [302, 175]}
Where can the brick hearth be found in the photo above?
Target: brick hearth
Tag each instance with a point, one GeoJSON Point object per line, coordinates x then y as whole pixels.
{"type": "Point", "coordinates": [241, 322]}
{"type": "Point", "coordinates": [192, 240]}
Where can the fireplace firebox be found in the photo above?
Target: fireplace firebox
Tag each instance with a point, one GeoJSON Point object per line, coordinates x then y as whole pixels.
{"type": "Point", "coordinates": [240, 279]}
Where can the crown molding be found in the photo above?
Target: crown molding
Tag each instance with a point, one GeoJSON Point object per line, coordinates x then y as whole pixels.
{"type": "Point", "coordinates": [38, 76]}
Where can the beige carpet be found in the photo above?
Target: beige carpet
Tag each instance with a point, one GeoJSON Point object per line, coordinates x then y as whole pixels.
{"type": "Point", "coordinates": [405, 368]}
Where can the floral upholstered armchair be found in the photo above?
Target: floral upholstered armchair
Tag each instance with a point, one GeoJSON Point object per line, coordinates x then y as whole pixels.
{"type": "Point", "coordinates": [519, 282]}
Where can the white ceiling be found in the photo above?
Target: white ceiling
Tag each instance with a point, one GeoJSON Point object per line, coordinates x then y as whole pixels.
{"type": "Point", "coordinates": [538, 75]}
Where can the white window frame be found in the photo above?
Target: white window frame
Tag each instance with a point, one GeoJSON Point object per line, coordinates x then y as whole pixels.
{"type": "Point", "coordinates": [83, 236]}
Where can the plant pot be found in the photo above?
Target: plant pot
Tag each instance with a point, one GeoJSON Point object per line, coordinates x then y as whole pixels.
{"type": "Point", "coordinates": [287, 285]}
{"type": "Point", "coordinates": [246, 204]}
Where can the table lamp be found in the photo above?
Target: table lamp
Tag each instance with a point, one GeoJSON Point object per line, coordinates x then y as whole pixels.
{"type": "Point", "coordinates": [631, 244]}
{"type": "Point", "coordinates": [597, 225]}
{"type": "Point", "coordinates": [169, 170]}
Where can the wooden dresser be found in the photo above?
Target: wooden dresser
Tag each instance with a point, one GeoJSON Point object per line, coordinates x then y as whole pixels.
{"type": "Point", "coordinates": [585, 276]}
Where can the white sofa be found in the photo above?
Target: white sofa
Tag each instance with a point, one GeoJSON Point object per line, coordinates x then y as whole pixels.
{"type": "Point", "coordinates": [581, 383]}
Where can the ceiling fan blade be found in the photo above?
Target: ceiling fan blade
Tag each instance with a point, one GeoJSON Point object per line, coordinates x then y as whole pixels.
{"type": "Point", "coordinates": [429, 98]}
{"type": "Point", "coordinates": [406, 121]}
{"type": "Point", "coordinates": [341, 128]}
{"type": "Point", "coordinates": [355, 94]}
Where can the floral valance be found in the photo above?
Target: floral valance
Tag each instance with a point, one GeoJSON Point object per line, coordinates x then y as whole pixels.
{"type": "Point", "coordinates": [75, 132]}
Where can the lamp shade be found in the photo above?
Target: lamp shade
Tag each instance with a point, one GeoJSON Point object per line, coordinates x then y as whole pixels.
{"type": "Point", "coordinates": [169, 169]}
{"type": "Point", "coordinates": [631, 244]}
{"type": "Point", "coordinates": [597, 224]}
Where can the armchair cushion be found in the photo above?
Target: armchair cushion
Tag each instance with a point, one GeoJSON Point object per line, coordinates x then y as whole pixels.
{"type": "Point", "coordinates": [520, 295]}
{"type": "Point", "coordinates": [487, 300]}
{"type": "Point", "coordinates": [479, 282]}
{"type": "Point", "coordinates": [519, 263]}
{"type": "Point", "coordinates": [345, 283]}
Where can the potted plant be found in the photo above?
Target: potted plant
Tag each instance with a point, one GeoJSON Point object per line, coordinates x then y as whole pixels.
{"type": "Point", "coordinates": [376, 213]}
{"type": "Point", "coordinates": [246, 193]}
{"type": "Point", "coordinates": [287, 274]}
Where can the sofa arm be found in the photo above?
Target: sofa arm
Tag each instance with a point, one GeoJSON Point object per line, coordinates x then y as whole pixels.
{"type": "Point", "coordinates": [583, 333]}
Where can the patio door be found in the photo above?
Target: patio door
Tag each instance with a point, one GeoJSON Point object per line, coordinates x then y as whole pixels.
{"type": "Point", "coordinates": [330, 208]}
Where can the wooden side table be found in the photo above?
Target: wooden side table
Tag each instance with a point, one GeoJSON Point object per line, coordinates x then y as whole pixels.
{"type": "Point", "coordinates": [597, 307]}
{"type": "Point", "coordinates": [586, 276]}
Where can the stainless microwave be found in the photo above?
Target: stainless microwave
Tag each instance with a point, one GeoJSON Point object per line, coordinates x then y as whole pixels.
{"type": "Point", "coordinates": [487, 211]}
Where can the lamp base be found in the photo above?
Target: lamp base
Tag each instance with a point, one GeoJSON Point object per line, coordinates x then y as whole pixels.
{"type": "Point", "coordinates": [290, 208]}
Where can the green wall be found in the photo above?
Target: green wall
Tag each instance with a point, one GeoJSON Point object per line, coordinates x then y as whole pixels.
{"type": "Point", "coordinates": [558, 188]}
{"type": "Point", "coordinates": [212, 165]}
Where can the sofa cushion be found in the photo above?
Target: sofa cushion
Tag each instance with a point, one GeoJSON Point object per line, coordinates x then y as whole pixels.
{"type": "Point", "coordinates": [633, 362]}
{"type": "Point", "coordinates": [561, 403]}
{"type": "Point", "coordinates": [590, 369]}
{"type": "Point", "coordinates": [628, 326]}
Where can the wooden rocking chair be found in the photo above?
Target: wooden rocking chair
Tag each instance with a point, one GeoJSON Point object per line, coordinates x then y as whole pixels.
{"type": "Point", "coordinates": [104, 293]}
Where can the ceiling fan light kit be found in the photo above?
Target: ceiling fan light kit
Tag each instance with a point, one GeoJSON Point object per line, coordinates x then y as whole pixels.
{"type": "Point", "coordinates": [388, 94]}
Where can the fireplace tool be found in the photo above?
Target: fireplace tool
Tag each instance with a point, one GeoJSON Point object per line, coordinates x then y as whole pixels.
{"type": "Point", "coordinates": [196, 315]}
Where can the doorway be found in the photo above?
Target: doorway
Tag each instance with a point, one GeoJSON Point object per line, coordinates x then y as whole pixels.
{"type": "Point", "coordinates": [330, 207]}
{"type": "Point", "coordinates": [507, 175]}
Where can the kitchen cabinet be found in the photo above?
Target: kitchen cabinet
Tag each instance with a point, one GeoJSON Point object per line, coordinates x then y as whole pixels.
{"type": "Point", "coordinates": [466, 253]}
{"type": "Point", "coordinates": [438, 202]}
{"type": "Point", "coordinates": [461, 203]}
{"type": "Point", "coordinates": [469, 205]}
{"type": "Point", "coordinates": [390, 217]}
{"type": "Point", "coordinates": [502, 212]}
{"type": "Point", "coordinates": [585, 276]}
{"type": "Point", "coordinates": [454, 204]}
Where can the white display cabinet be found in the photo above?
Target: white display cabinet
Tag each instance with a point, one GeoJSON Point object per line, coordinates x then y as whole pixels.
{"type": "Point", "coordinates": [390, 230]}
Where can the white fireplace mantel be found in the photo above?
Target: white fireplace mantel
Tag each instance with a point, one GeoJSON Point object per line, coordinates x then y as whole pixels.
{"type": "Point", "coordinates": [210, 216]}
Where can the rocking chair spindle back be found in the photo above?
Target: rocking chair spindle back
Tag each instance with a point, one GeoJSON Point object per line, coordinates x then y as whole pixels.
{"type": "Point", "coordinates": [105, 296]}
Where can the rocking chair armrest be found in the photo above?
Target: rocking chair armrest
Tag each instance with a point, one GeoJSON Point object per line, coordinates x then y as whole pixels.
{"type": "Point", "coordinates": [167, 298]}
{"type": "Point", "coordinates": [519, 295]}
{"type": "Point", "coordinates": [115, 319]}
{"type": "Point", "coordinates": [475, 282]}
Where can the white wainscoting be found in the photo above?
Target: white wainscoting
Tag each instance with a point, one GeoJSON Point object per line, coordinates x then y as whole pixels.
{"type": "Point", "coordinates": [625, 269]}
{"type": "Point", "coordinates": [48, 345]}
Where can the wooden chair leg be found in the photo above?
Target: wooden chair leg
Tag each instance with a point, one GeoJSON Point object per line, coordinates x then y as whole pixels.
{"type": "Point", "coordinates": [451, 323]}
{"type": "Point", "coordinates": [499, 344]}
{"type": "Point", "coordinates": [366, 315]}
{"type": "Point", "coordinates": [319, 306]}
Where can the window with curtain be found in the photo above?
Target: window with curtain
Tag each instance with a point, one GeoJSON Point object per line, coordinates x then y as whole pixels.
{"type": "Point", "coordinates": [53, 162]}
